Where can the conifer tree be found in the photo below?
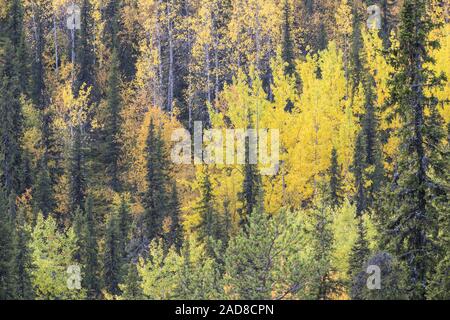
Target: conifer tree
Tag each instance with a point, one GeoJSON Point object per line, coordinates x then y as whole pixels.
{"type": "Point", "coordinates": [7, 251]}
{"type": "Point", "coordinates": [288, 44]}
{"type": "Point", "coordinates": [112, 256]}
{"type": "Point", "coordinates": [174, 236]}
{"type": "Point", "coordinates": [77, 177]}
{"type": "Point", "coordinates": [112, 125]}
{"type": "Point", "coordinates": [84, 227]}
{"type": "Point", "coordinates": [358, 257]}
{"type": "Point", "coordinates": [335, 197]}
{"type": "Point", "coordinates": [411, 211]}
{"type": "Point", "coordinates": [11, 120]}
{"type": "Point", "coordinates": [323, 242]}
{"type": "Point", "coordinates": [155, 199]}
{"type": "Point", "coordinates": [131, 288]}
{"type": "Point", "coordinates": [22, 259]}
{"type": "Point", "coordinates": [209, 227]}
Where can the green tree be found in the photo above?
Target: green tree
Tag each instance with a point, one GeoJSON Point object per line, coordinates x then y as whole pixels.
{"type": "Point", "coordinates": [155, 199]}
{"type": "Point", "coordinates": [53, 252]}
{"type": "Point", "coordinates": [112, 256]}
{"type": "Point", "coordinates": [411, 212]}
{"type": "Point", "coordinates": [335, 196]}
{"type": "Point", "coordinates": [112, 124]}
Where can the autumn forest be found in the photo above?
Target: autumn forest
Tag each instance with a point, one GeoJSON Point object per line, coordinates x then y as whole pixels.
{"type": "Point", "coordinates": [94, 204]}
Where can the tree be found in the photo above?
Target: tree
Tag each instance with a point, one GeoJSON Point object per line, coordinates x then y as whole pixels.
{"type": "Point", "coordinates": [11, 120]}
{"type": "Point", "coordinates": [77, 189]}
{"type": "Point", "coordinates": [131, 288]}
{"type": "Point", "coordinates": [335, 188]}
{"type": "Point", "coordinates": [209, 228]}
{"type": "Point", "coordinates": [7, 251]}
{"type": "Point", "coordinates": [22, 259]}
{"type": "Point", "coordinates": [84, 227]}
{"type": "Point", "coordinates": [358, 257]}
{"type": "Point", "coordinates": [112, 124]}
{"type": "Point", "coordinates": [155, 199]}
{"type": "Point", "coordinates": [53, 252]}
{"type": "Point", "coordinates": [412, 214]}
{"type": "Point", "coordinates": [325, 284]}
{"type": "Point", "coordinates": [288, 43]}
{"type": "Point", "coordinates": [174, 233]}
{"type": "Point", "coordinates": [112, 256]}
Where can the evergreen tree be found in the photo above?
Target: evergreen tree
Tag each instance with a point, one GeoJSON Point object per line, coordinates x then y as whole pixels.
{"type": "Point", "coordinates": [123, 214]}
{"type": "Point", "coordinates": [11, 120]}
{"type": "Point", "coordinates": [358, 171]}
{"type": "Point", "coordinates": [412, 213]}
{"type": "Point", "coordinates": [85, 50]}
{"type": "Point", "coordinates": [335, 197]}
{"type": "Point", "coordinates": [132, 284]}
{"type": "Point", "coordinates": [323, 242]}
{"type": "Point", "coordinates": [155, 199]}
{"type": "Point", "coordinates": [174, 236]}
{"type": "Point", "coordinates": [247, 259]}
{"type": "Point", "coordinates": [251, 193]}
{"type": "Point", "coordinates": [288, 43]}
{"type": "Point", "coordinates": [43, 199]}
{"type": "Point", "coordinates": [112, 256]}
{"type": "Point", "coordinates": [7, 251]}
{"type": "Point", "coordinates": [112, 124]}
{"type": "Point", "coordinates": [76, 173]}
{"type": "Point", "coordinates": [358, 257]}
{"type": "Point", "coordinates": [209, 228]}
{"type": "Point", "coordinates": [84, 227]}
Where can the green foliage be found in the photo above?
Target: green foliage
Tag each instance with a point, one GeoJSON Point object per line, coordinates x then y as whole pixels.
{"type": "Point", "coordinates": [53, 252]}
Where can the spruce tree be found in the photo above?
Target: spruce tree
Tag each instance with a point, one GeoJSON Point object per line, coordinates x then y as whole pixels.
{"type": "Point", "coordinates": [358, 257]}
{"type": "Point", "coordinates": [335, 196]}
{"type": "Point", "coordinates": [288, 43]}
{"type": "Point", "coordinates": [7, 251]}
{"type": "Point", "coordinates": [84, 227]}
{"type": "Point", "coordinates": [77, 188]}
{"type": "Point", "coordinates": [111, 133]}
{"type": "Point", "coordinates": [112, 256]}
{"type": "Point", "coordinates": [155, 198]}
{"type": "Point", "coordinates": [323, 243]}
{"type": "Point", "coordinates": [174, 236]}
{"type": "Point", "coordinates": [412, 213]}
{"type": "Point", "coordinates": [131, 287]}
{"type": "Point", "coordinates": [250, 196]}
{"type": "Point", "coordinates": [209, 228]}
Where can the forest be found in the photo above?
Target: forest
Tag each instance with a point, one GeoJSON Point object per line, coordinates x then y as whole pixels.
{"type": "Point", "coordinates": [92, 205]}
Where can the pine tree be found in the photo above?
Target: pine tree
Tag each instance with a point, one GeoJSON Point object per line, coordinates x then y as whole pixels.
{"type": "Point", "coordinates": [44, 201]}
{"type": "Point", "coordinates": [412, 212]}
{"type": "Point", "coordinates": [155, 199]}
{"type": "Point", "coordinates": [335, 196]}
{"type": "Point", "coordinates": [112, 124]}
